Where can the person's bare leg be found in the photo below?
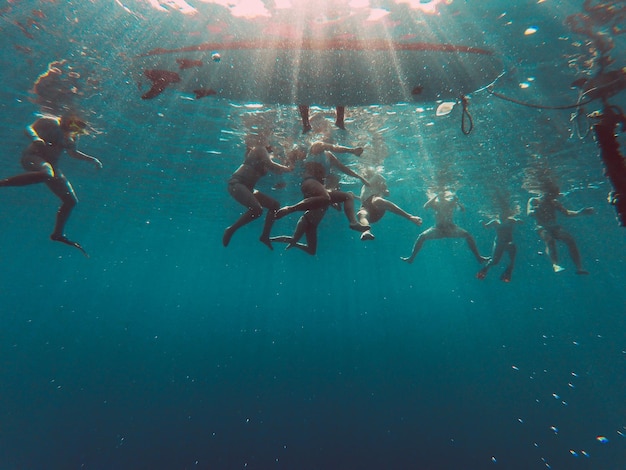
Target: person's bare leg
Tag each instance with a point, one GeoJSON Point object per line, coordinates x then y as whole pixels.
{"type": "Point", "coordinates": [25, 179]}
{"type": "Point", "coordinates": [341, 111]}
{"type": "Point", "coordinates": [428, 234]}
{"type": "Point", "coordinates": [304, 115]}
{"type": "Point", "coordinates": [362, 217]}
{"type": "Point", "coordinates": [471, 243]}
{"type": "Point", "coordinates": [272, 205]}
{"type": "Point", "coordinates": [245, 197]}
{"type": "Point", "coordinates": [573, 252]}
{"type": "Point", "coordinates": [348, 208]}
{"type": "Point", "coordinates": [307, 225]}
{"type": "Point", "coordinates": [62, 188]}
{"type": "Point", "coordinates": [551, 250]}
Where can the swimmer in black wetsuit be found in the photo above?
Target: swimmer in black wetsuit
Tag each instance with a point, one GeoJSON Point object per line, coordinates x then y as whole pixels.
{"type": "Point", "coordinates": [257, 164]}
{"type": "Point", "coordinates": [50, 137]}
{"type": "Point", "coordinates": [374, 206]}
{"type": "Point", "coordinates": [504, 226]}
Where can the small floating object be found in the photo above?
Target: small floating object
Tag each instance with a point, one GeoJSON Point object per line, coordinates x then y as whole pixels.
{"type": "Point", "coordinates": [602, 440]}
{"type": "Point", "coordinates": [554, 429]}
{"type": "Point", "coordinates": [216, 57]}
{"type": "Point", "coordinates": [573, 452]}
{"type": "Point", "coordinates": [531, 30]}
{"type": "Point", "coordinates": [445, 108]}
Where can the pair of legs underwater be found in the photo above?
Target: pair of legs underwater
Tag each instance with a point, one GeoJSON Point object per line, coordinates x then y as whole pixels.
{"type": "Point", "coordinates": [434, 233]}
{"type": "Point", "coordinates": [306, 125]}
{"type": "Point", "coordinates": [40, 171]}
{"type": "Point", "coordinates": [316, 196]}
{"type": "Point", "coordinates": [307, 226]}
{"type": "Point", "coordinates": [498, 251]}
{"type": "Point", "coordinates": [550, 237]}
{"type": "Point", "coordinates": [255, 201]}
{"type": "Point", "coordinates": [317, 199]}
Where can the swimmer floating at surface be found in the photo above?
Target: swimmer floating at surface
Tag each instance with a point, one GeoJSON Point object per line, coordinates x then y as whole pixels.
{"type": "Point", "coordinates": [50, 137]}
{"type": "Point", "coordinates": [317, 166]}
{"type": "Point", "coordinates": [504, 224]}
{"type": "Point", "coordinates": [257, 163]}
{"type": "Point", "coordinates": [374, 205]}
{"type": "Point", "coordinates": [543, 209]}
{"type": "Point", "coordinates": [444, 203]}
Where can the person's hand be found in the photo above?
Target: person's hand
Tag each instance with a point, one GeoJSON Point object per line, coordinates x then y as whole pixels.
{"type": "Point", "coordinates": [416, 220]}
{"type": "Point", "coordinates": [97, 163]}
{"type": "Point", "coordinates": [358, 151]}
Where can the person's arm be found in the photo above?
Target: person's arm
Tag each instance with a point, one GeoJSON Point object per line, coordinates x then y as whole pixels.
{"type": "Point", "coordinates": [77, 154]}
{"type": "Point", "coordinates": [334, 161]}
{"type": "Point", "coordinates": [569, 213]}
{"type": "Point", "coordinates": [34, 136]}
{"type": "Point", "coordinates": [278, 168]}
{"type": "Point", "coordinates": [430, 203]}
{"type": "Point", "coordinates": [491, 223]}
{"type": "Point", "coordinates": [531, 206]}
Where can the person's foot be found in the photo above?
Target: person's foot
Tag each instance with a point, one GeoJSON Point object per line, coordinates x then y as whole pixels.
{"type": "Point", "coordinates": [63, 239]}
{"type": "Point", "coordinates": [228, 234]}
{"type": "Point", "coordinates": [281, 239]}
{"type": "Point", "coordinates": [340, 125]}
{"type": "Point", "coordinates": [582, 272]}
{"type": "Point", "coordinates": [506, 276]}
{"type": "Point", "coordinates": [282, 212]}
{"type": "Point", "coordinates": [367, 235]}
{"type": "Point", "coordinates": [306, 128]}
{"type": "Point", "coordinates": [267, 242]}
{"type": "Point", "coordinates": [407, 260]}
{"type": "Point", "coordinates": [557, 269]}
{"type": "Point", "coordinates": [482, 274]}
{"type": "Point", "coordinates": [359, 228]}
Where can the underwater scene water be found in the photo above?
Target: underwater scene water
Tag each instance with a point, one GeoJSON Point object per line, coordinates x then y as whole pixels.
{"type": "Point", "coordinates": [166, 350]}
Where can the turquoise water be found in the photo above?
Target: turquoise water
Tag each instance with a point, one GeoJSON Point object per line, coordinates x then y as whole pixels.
{"type": "Point", "coordinates": [166, 350]}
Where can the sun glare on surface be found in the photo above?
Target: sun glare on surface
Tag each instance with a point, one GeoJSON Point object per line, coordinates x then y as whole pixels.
{"type": "Point", "coordinates": [258, 9]}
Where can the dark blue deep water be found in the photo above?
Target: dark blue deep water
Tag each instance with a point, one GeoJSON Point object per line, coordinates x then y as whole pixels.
{"type": "Point", "coordinates": [165, 350]}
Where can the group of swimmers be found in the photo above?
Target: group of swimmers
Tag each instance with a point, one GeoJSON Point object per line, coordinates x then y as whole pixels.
{"type": "Point", "coordinates": [51, 135]}
{"type": "Point", "coordinates": [320, 191]}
